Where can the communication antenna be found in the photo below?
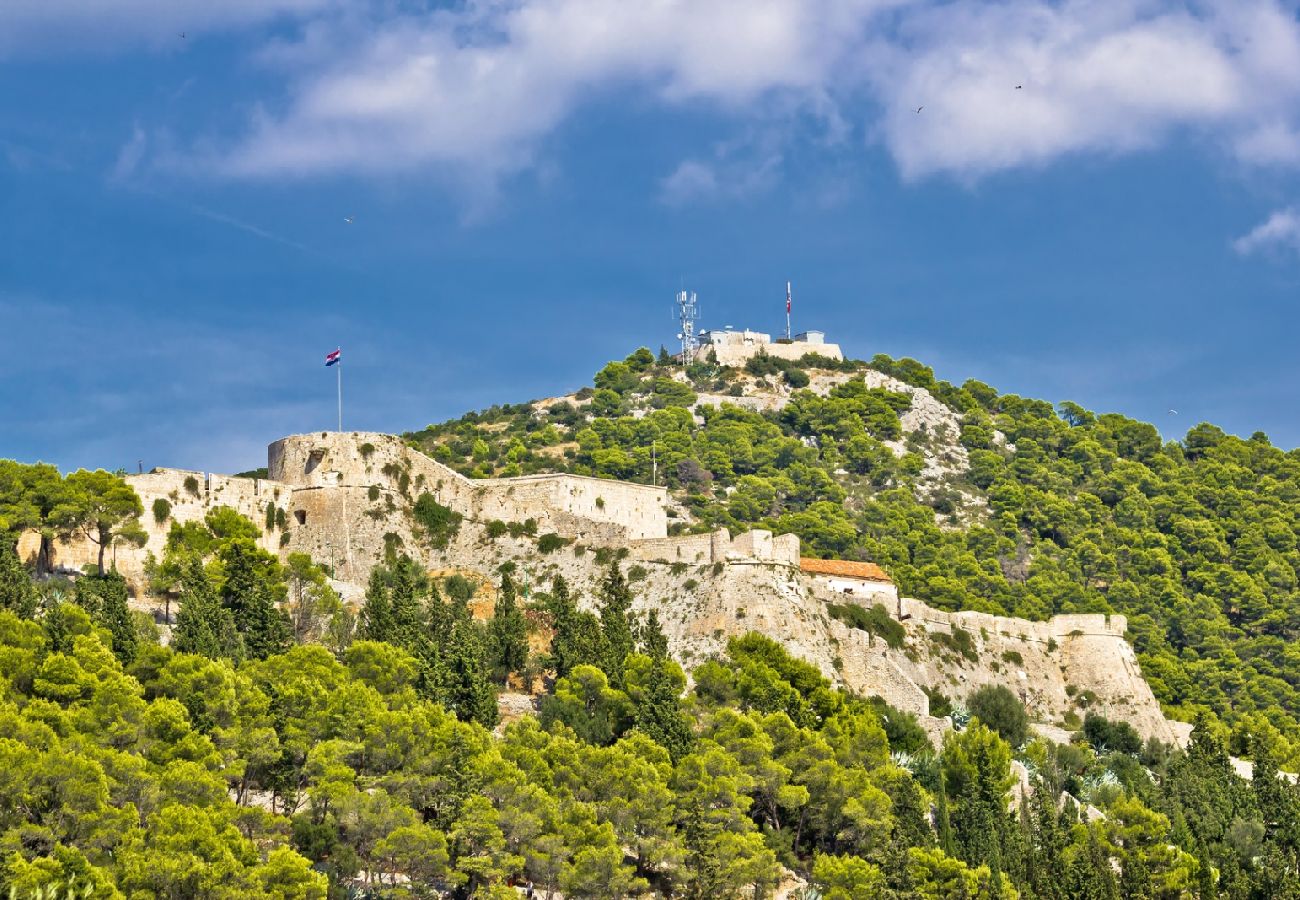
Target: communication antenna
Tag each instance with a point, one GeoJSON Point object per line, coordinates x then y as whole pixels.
{"type": "Point", "coordinates": [687, 313]}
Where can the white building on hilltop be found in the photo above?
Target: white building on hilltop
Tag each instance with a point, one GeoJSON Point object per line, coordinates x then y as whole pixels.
{"type": "Point", "coordinates": [734, 348]}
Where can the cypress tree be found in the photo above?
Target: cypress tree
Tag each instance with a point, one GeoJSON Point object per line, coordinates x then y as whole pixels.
{"type": "Point", "coordinates": [376, 622]}
{"type": "Point", "coordinates": [615, 601]}
{"type": "Point", "coordinates": [659, 711]}
{"type": "Point", "coordinates": [406, 605]}
{"type": "Point", "coordinates": [469, 687]}
{"type": "Point", "coordinates": [577, 639]}
{"type": "Point", "coordinates": [203, 625]}
{"type": "Point", "coordinates": [508, 632]}
{"type": "Point", "coordinates": [266, 628]}
{"type": "Point", "coordinates": [651, 637]}
{"type": "Point", "coordinates": [104, 598]}
{"type": "Point", "coordinates": [17, 592]}
{"type": "Point", "coordinates": [943, 822]}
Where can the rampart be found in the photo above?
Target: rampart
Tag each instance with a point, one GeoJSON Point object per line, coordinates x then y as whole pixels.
{"type": "Point", "coordinates": [720, 547]}
{"type": "Point", "coordinates": [574, 505]}
{"type": "Point", "coordinates": [735, 348]}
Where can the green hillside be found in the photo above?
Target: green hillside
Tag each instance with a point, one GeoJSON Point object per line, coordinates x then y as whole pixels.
{"type": "Point", "coordinates": [1194, 540]}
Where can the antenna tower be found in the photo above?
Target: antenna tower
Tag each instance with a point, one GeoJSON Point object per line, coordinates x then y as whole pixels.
{"type": "Point", "coordinates": [688, 313]}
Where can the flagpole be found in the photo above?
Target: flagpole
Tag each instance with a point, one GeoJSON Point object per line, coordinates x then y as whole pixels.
{"type": "Point", "coordinates": [340, 374]}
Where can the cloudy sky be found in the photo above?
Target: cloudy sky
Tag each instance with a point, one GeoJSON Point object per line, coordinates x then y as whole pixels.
{"type": "Point", "coordinates": [1089, 201]}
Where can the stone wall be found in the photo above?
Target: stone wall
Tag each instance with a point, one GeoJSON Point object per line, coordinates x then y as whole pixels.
{"type": "Point", "coordinates": [572, 505]}
{"type": "Point", "coordinates": [737, 353]}
{"type": "Point", "coordinates": [720, 547]}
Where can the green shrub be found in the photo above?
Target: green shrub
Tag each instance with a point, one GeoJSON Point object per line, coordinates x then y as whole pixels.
{"type": "Point", "coordinates": [192, 485]}
{"type": "Point", "coordinates": [1102, 734]}
{"type": "Point", "coordinates": [636, 573]}
{"type": "Point", "coordinates": [161, 510]}
{"type": "Point", "coordinates": [367, 450]}
{"type": "Point", "coordinates": [495, 529]}
{"type": "Point", "coordinates": [373, 493]}
{"type": "Point", "coordinates": [940, 703]}
{"type": "Point", "coordinates": [797, 378]}
{"type": "Point", "coordinates": [1013, 656]}
{"type": "Point", "coordinates": [551, 542]}
{"type": "Point", "coordinates": [998, 708]}
{"type": "Point", "coordinates": [876, 620]}
{"type": "Point", "coordinates": [959, 641]}
{"type": "Point", "coordinates": [440, 522]}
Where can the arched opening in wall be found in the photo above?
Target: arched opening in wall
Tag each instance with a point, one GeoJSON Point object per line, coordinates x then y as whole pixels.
{"type": "Point", "coordinates": [301, 516]}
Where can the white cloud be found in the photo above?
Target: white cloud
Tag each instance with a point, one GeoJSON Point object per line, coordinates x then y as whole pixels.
{"type": "Point", "coordinates": [479, 87]}
{"type": "Point", "coordinates": [1280, 231]}
{"type": "Point", "coordinates": [724, 179]}
{"type": "Point", "coordinates": [473, 90]}
{"type": "Point", "coordinates": [1110, 78]}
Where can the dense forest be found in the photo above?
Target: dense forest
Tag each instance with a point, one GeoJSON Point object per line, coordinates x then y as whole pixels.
{"type": "Point", "coordinates": [245, 769]}
{"type": "Point", "coordinates": [1197, 541]}
{"type": "Point", "coordinates": [283, 744]}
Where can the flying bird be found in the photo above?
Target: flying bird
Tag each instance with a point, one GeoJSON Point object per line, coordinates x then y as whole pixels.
{"type": "Point", "coordinates": [1020, 87]}
{"type": "Point", "coordinates": [348, 219]}
{"type": "Point", "coordinates": [1173, 412]}
{"type": "Point", "coordinates": [182, 35]}
{"type": "Point", "coordinates": [919, 108]}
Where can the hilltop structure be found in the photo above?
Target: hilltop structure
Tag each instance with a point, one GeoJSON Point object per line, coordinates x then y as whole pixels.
{"type": "Point", "coordinates": [735, 348]}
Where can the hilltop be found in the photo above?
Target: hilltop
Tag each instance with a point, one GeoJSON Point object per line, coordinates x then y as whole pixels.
{"type": "Point", "coordinates": [707, 631]}
{"type": "Point", "coordinates": [970, 499]}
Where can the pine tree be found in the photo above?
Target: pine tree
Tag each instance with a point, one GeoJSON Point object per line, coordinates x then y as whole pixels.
{"type": "Point", "coordinates": [17, 592]}
{"type": "Point", "coordinates": [508, 632]}
{"type": "Point", "coordinates": [104, 598]}
{"type": "Point", "coordinates": [615, 601]}
{"type": "Point", "coordinates": [203, 625]}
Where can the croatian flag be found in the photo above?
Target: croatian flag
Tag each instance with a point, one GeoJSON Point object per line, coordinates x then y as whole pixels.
{"type": "Point", "coordinates": [333, 357]}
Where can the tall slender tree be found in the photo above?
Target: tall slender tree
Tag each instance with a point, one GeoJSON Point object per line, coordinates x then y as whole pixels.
{"type": "Point", "coordinates": [615, 602]}
{"type": "Point", "coordinates": [508, 632]}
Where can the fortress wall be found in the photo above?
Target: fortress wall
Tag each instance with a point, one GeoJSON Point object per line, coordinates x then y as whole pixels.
{"type": "Point", "coordinates": [785, 548]}
{"type": "Point", "coordinates": [755, 544]}
{"type": "Point", "coordinates": [938, 620]}
{"type": "Point", "coordinates": [247, 496]}
{"type": "Point", "coordinates": [324, 459]}
{"type": "Point", "coordinates": [688, 548]}
{"type": "Point", "coordinates": [638, 508]}
{"type": "Point", "coordinates": [719, 546]}
{"type": "Point", "coordinates": [1089, 624]}
{"type": "Point", "coordinates": [345, 529]}
{"type": "Point", "coordinates": [739, 352]}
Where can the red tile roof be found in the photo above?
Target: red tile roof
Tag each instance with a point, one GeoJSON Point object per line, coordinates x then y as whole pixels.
{"type": "Point", "coordinates": [864, 570]}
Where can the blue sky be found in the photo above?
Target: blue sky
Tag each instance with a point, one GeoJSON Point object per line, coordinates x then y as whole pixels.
{"type": "Point", "coordinates": [531, 182]}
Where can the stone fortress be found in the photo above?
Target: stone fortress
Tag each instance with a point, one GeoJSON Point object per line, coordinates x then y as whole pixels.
{"type": "Point", "coordinates": [734, 348]}
{"type": "Point", "coordinates": [346, 497]}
